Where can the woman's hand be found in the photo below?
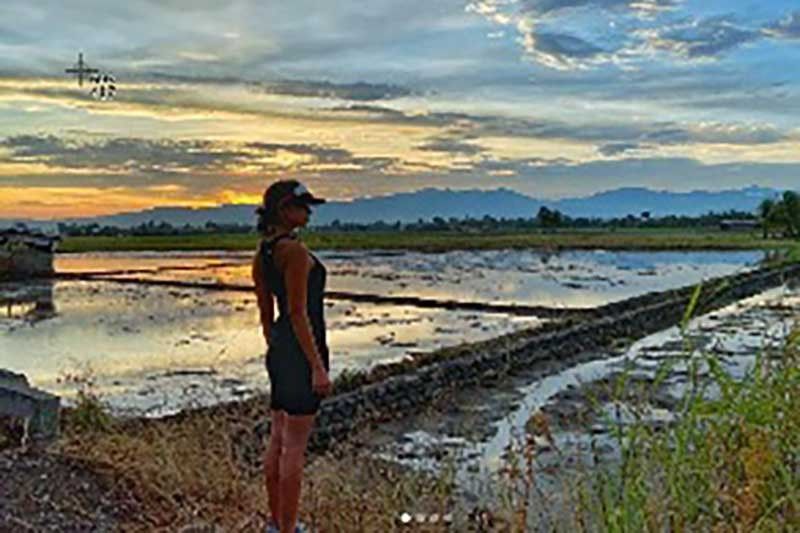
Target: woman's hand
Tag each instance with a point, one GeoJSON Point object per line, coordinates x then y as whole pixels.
{"type": "Point", "coordinates": [320, 382]}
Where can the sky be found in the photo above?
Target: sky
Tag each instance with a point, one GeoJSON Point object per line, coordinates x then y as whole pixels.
{"type": "Point", "coordinates": [552, 98]}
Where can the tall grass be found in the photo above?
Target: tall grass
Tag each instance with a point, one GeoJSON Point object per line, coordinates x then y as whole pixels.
{"type": "Point", "coordinates": [731, 462]}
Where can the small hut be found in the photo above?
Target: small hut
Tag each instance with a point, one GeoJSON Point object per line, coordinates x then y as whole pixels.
{"type": "Point", "coordinates": [738, 225]}
{"type": "Point", "coordinates": [26, 253]}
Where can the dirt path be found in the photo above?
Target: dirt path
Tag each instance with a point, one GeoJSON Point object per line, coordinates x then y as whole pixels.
{"type": "Point", "coordinates": [43, 491]}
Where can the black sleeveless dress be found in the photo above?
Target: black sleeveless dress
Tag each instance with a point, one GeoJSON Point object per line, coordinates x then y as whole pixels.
{"type": "Point", "coordinates": [287, 366]}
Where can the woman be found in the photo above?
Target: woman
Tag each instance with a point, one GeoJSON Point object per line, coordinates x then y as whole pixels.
{"type": "Point", "coordinates": [297, 354]}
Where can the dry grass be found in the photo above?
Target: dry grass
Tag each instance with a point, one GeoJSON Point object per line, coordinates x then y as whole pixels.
{"type": "Point", "coordinates": [205, 469]}
{"type": "Point", "coordinates": [180, 473]}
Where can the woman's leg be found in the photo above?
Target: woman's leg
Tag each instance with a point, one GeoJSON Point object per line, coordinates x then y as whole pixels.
{"type": "Point", "coordinates": [272, 462]}
{"type": "Point", "coordinates": [296, 430]}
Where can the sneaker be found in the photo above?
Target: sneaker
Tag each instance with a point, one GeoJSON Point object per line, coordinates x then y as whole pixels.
{"type": "Point", "coordinates": [271, 527]}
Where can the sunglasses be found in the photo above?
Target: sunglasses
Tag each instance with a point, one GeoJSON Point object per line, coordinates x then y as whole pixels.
{"type": "Point", "coordinates": [302, 205]}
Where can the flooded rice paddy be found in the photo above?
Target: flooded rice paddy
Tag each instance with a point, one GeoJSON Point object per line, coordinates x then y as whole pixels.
{"type": "Point", "coordinates": [157, 349]}
{"type": "Point", "coordinates": [582, 403]}
{"type": "Point", "coordinates": [564, 279]}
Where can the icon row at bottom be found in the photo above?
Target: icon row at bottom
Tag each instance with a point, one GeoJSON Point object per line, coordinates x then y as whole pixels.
{"type": "Point", "coordinates": [422, 518]}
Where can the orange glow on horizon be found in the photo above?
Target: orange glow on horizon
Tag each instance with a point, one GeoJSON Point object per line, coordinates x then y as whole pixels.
{"type": "Point", "coordinates": [74, 202]}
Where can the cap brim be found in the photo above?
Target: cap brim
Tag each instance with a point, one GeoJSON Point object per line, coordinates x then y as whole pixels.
{"type": "Point", "coordinates": [309, 199]}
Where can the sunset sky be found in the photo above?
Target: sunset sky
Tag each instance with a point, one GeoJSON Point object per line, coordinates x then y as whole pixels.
{"type": "Point", "coordinates": [552, 98]}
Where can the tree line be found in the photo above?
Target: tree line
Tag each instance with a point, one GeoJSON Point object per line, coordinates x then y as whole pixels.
{"type": "Point", "coordinates": [779, 217]}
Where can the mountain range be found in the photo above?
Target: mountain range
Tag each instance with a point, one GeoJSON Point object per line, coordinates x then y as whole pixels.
{"type": "Point", "coordinates": [498, 203]}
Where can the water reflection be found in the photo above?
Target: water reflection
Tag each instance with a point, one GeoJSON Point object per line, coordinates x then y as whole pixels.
{"type": "Point", "coordinates": [583, 278]}
{"type": "Point", "coordinates": [30, 301]}
{"type": "Point", "coordinates": [152, 347]}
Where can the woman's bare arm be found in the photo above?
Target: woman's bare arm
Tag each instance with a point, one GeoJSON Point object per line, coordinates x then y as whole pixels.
{"type": "Point", "coordinates": [295, 262]}
{"type": "Point", "coordinates": [266, 302]}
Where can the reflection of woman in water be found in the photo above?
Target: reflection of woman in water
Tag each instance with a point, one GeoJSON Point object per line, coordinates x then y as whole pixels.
{"type": "Point", "coordinates": [297, 354]}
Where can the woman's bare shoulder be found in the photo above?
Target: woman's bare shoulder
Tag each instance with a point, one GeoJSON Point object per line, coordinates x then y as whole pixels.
{"type": "Point", "coordinates": [290, 252]}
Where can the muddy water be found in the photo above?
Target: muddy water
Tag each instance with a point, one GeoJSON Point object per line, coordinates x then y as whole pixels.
{"type": "Point", "coordinates": [157, 349]}
{"type": "Point", "coordinates": [474, 430]}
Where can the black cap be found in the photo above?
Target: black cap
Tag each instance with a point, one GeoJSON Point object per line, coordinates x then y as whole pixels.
{"type": "Point", "coordinates": [281, 193]}
{"type": "Point", "coordinates": [299, 194]}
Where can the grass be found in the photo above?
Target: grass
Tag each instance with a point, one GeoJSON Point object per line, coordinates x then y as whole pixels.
{"type": "Point", "coordinates": [655, 239]}
{"type": "Point", "coordinates": [794, 254]}
{"type": "Point", "coordinates": [204, 470]}
{"type": "Point", "coordinates": [730, 463]}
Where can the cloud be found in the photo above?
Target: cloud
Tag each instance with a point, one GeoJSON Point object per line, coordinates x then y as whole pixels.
{"type": "Point", "coordinates": [460, 126]}
{"type": "Point", "coordinates": [614, 149]}
{"type": "Point", "coordinates": [120, 154]}
{"type": "Point", "coordinates": [451, 146]}
{"type": "Point", "coordinates": [559, 44]}
{"type": "Point", "coordinates": [376, 111]}
{"type": "Point", "coordinates": [320, 153]}
{"type": "Point", "coordinates": [736, 133]}
{"type": "Point", "coordinates": [559, 50]}
{"type": "Point", "coordinates": [580, 34]}
{"type": "Point", "coordinates": [705, 38]}
{"type": "Point", "coordinates": [599, 41]}
{"type": "Point", "coordinates": [787, 28]}
{"type": "Point", "coordinates": [164, 157]}
{"type": "Point", "coordinates": [24, 147]}
{"type": "Point", "coordinates": [501, 10]}
{"type": "Point", "coordinates": [360, 91]}
{"type": "Point", "coordinates": [548, 7]}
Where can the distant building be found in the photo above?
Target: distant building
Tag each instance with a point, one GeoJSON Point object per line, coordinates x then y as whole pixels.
{"type": "Point", "coordinates": [26, 253]}
{"type": "Point", "coordinates": [738, 225]}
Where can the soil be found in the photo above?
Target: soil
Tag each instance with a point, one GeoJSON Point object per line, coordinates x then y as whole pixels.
{"type": "Point", "coordinates": [46, 491]}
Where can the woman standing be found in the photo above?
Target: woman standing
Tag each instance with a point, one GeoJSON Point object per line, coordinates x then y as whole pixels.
{"type": "Point", "coordinates": [297, 354]}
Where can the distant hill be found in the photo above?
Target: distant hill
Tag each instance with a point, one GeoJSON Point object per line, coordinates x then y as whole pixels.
{"type": "Point", "coordinates": [634, 200]}
{"type": "Point", "coordinates": [429, 203]}
{"type": "Point", "coordinates": [446, 203]}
